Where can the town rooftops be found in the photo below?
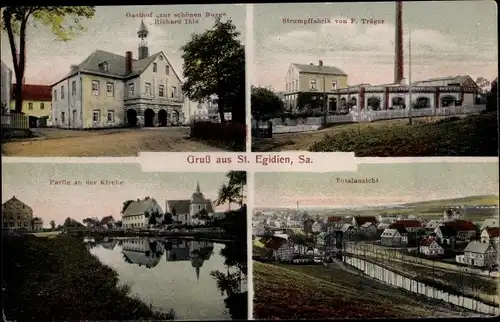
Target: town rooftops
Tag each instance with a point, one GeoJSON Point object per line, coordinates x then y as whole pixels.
{"type": "Point", "coordinates": [461, 225]}
{"type": "Point", "coordinates": [477, 247]}
{"type": "Point", "coordinates": [317, 69]}
{"type": "Point", "coordinates": [34, 92]}
{"type": "Point", "coordinates": [406, 224]}
{"type": "Point", "coordinates": [493, 231]}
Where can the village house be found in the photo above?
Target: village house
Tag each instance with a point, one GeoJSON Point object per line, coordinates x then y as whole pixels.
{"type": "Point", "coordinates": [430, 247]}
{"type": "Point", "coordinates": [185, 211]}
{"type": "Point", "coordinates": [491, 236]}
{"type": "Point", "coordinates": [37, 224]}
{"type": "Point", "coordinates": [335, 222]}
{"type": "Point", "coordinates": [327, 243]}
{"type": "Point", "coordinates": [283, 249]}
{"type": "Point", "coordinates": [37, 103]}
{"type": "Point", "coordinates": [394, 237]}
{"type": "Point", "coordinates": [410, 225]}
{"type": "Point", "coordinates": [318, 226]}
{"type": "Point", "coordinates": [293, 222]}
{"type": "Point", "coordinates": [108, 222]}
{"type": "Point", "coordinates": [383, 226]}
{"type": "Point", "coordinates": [387, 218]}
{"type": "Point", "coordinates": [137, 214]}
{"type": "Point", "coordinates": [358, 221]}
{"type": "Point", "coordinates": [433, 224]}
{"type": "Point", "coordinates": [478, 254]}
{"type": "Point", "coordinates": [451, 214]}
{"type": "Point", "coordinates": [446, 234]}
{"type": "Point", "coordinates": [308, 223]}
{"type": "Point", "coordinates": [465, 229]}
{"type": "Point", "coordinates": [109, 90]}
{"type": "Point", "coordinates": [16, 214]}
{"type": "Point", "coordinates": [490, 222]}
{"type": "Point", "coordinates": [368, 229]}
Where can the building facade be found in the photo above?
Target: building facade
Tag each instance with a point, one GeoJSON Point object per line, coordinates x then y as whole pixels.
{"type": "Point", "coordinates": [37, 100]}
{"type": "Point", "coordinates": [184, 211]}
{"type": "Point", "coordinates": [16, 214]}
{"type": "Point", "coordinates": [109, 90]}
{"type": "Point", "coordinates": [138, 213]}
{"type": "Point", "coordinates": [5, 86]}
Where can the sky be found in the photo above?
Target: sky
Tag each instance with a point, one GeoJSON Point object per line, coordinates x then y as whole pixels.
{"type": "Point", "coordinates": [397, 183]}
{"type": "Point", "coordinates": [111, 30]}
{"type": "Point", "coordinates": [30, 183]}
{"type": "Point", "coordinates": [448, 38]}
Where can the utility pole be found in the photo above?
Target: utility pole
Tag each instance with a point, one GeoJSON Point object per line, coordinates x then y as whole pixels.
{"type": "Point", "coordinates": [409, 77]}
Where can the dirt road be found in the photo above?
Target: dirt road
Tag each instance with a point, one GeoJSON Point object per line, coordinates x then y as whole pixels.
{"type": "Point", "coordinates": [104, 143]}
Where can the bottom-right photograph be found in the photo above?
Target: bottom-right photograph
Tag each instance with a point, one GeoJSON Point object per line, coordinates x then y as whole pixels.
{"type": "Point", "coordinates": [390, 240]}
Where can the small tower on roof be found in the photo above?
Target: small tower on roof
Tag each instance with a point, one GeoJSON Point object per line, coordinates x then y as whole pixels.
{"type": "Point", "coordinates": [143, 41]}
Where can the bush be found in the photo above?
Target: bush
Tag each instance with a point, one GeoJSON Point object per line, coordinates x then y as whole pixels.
{"type": "Point", "coordinates": [231, 134]}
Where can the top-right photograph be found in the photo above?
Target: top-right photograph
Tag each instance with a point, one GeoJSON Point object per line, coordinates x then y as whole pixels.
{"type": "Point", "coordinates": [393, 79]}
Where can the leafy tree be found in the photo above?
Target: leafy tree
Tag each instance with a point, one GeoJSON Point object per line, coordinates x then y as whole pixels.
{"type": "Point", "coordinates": [65, 24]}
{"type": "Point", "coordinates": [492, 97]}
{"type": "Point", "coordinates": [118, 223]}
{"type": "Point", "coordinates": [482, 83]}
{"type": "Point", "coordinates": [238, 180]}
{"type": "Point", "coordinates": [265, 104]}
{"type": "Point", "coordinates": [69, 222]}
{"type": "Point", "coordinates": [227, 193]}
{"type": "Point", "coordinates": [125, 205]}
{"type": "Point", "coordinates": [214, 66]}
{"type": "Point", "coordinates": [167, 220]}
{"type": "Point", "coordinates": [52, 225]}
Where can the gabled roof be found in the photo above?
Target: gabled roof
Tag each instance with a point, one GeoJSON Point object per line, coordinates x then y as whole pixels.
{"type": "Point", "coordinates": [361, 220]}
{"type": "Point", "coordinates": [182, 206]}
{"type": "Point", "coordinates": [367, 224]}
{"type": "Point", "coordinates": [316, 69]}
{"type": "Point", "coordinates": [447, 231]}
{"type": "Point", "coordinates": [275, 243]}
{"type": "Point", "coordinates": [334, 219]}
{"type": "Point", "coordinates": [427, 241]}
{"type": "Point", "coordinates": [493, 231]}
{"type": "Point", "coordinates": [461, 225]}
{"type": "Point", "coordinates": [137, 207]}
{"type": "Point", "coordinates": [477, 247]}
{"type": "Point", "coordinates": [106, 220]}
{"type": "Point", "coordinates": [432, 224]}
{"type": "Point", "coordinates": [389, 232]}
{"type": "Point", "coordinates": [460, 79]}
{"type": "Point", "coordinates": [34, 92]}
{"type": "Point", "coordinates": [490, 222]}
{"type": "Point", "coordinates": [406, 224]}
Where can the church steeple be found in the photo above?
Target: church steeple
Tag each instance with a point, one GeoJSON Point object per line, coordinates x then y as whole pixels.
{"type": "Point", "coordinates": [198, 187]}
{"type": "Point", "coordinates": [143, 42]}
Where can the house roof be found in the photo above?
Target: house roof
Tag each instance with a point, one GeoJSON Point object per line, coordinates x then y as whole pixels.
{"type": "Point", "coordinates": [406, 224]}
{"type": "Point", "coordinates": [33, 92]}
{"type": "Point", "coordinates": [14, 199]}
{"type": "Point", "coordinates": [459, 79]}
{"type": "Point", "coordinates": [182, 206]}
{"type": "Point", "coordinates": [490, 222]}
{"type": "Point", "coordinates": [389, 232]}
{"type": "Point", "coordinates": [477, 247]}
{"type": "Point", "coordinates": [493, 231]}
{"type": "Point", "coordinates": [334, 219]}
{"type": "Point", "coordinates": [275, 243]}
{"type": "Point", "coordinates": [461, 225]}
{"type": "Point", "coordinates": [361, 220]}
{"type": "Point", "coordinates": [447, 230]}
{"type": "Point", "coordinates": [432, 224]}
{"type": "Point", "coordinates": [106, 220]}
{"type": "Point", "coordinates": [345, 227]}
{"type": "Point", "coordinates": [316, 69]}
{"type": "Point", "coordinates": [427, 241]}
{"type": "Point", "coordinates": [367, 224]}
{"type": "Point", "coordinates": [137, 207]}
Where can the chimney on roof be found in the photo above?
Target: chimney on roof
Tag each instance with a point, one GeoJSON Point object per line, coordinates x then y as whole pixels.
{"type": "Point", "coordinates": [320, 63]}
{"type": "Point", "coordinates": [128, 62]}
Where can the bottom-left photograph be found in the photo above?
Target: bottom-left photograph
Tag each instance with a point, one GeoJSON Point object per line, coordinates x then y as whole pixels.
{"type": "Point", "coordinates": [111, 242]}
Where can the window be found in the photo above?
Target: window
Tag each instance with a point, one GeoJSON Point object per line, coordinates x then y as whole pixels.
{"type": "Point", "coordinates": [161, 90]}
{"type": "Point", "coordinates": [334, 84]}
{"type": "Point", "coordinates": [96, 115]}
{"type": "Point", "coordinates": [62, 92]}
{"type": "Point", "coordinates": [74, 116]}
{"type": "Point", "coordinates": [287, 87]}
{"type": "Point", "coordinates": [312, 81]}
{"type": "Point", "coordinates": [131, 89]}
{"type": "Point", "coordinates": [174, 91]}
{"type": "Point", "coordinates": [95, 88]}
{"type": "Point", "coordinates": [155, 67]}
{"type": "Point", "coordinates": [55, 95]}
{"type": "Point", "coordinates": [167, 70]}
{"type": "Point", "coordinates": [111, 116]}
{"type": "Point", "coordinates": [30, 106]}
{"type": "Point", "coordinates": [62, 117]}
{"type": "Point", "coordinates": [105, 67]}
{"type": "Point", "coordinates": [110, 89]}
{"type": "Point", "coordinates": [42, 106]}
{"type": "Point", "coordinates": [73, 88]}
{"type": "Point", "coordinates": [147, 88]}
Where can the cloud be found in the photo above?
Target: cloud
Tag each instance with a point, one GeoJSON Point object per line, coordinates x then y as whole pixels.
{"type": "Point", "coordinates": [366, 53]}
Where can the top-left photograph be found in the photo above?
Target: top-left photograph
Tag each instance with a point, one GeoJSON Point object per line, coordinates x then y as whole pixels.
{"type": "Point", "coordinates": [114, 81]}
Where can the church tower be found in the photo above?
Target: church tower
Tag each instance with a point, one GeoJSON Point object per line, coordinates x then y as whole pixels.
{"type": "Point", "coordinates": [143, 41]}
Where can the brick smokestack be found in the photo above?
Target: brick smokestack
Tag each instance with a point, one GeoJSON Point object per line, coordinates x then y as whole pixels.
{"type": "Point", "coordinates": [398, 41]}
{"type": "Point", "coordinates": [128, 62]}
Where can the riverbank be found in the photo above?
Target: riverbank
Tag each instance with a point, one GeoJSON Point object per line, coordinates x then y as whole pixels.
{"type": "Point", "coordinates": [58, 279]}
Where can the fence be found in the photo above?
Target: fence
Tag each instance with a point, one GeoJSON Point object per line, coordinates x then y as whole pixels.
{"type": "Point", "coordinates": [413, 286]}
{"type": "Point", "coordinates": [16, 121]}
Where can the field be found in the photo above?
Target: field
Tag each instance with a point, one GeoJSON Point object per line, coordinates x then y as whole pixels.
{"type": "Point", "coordinates": [473, 135]}
{"type": "Point", "coordinates": [319, 292]}
{"type": "Point", "coordinates": [51, 142]}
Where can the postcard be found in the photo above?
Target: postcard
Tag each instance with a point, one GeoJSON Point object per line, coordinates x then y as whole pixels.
{"type": "Point", "coordinates": [111, 242]}
{"type": "Point", "coordinates": [113, 81]}
{"type": "Point", "coordinates": [394, 240]}
{"type": "Point", "coordinates": [381, 79]}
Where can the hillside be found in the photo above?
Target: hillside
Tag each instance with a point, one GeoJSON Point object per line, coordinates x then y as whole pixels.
{"type": "Point", "coordinates": [319, 292]}
{"type": "Point", "coordinates": [472, 200]}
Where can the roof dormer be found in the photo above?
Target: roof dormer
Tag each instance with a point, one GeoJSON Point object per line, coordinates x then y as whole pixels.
{"type": "Point", "coordinates": [104, 67]}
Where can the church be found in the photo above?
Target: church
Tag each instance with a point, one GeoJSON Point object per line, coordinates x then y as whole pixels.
{"type": "Point", "coordinates": [110, 90]}
{"type": "Point", "coordinates": [183, 211]}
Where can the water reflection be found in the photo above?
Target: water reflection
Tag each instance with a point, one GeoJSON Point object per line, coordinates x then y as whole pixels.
{"type": "Point", "coordinates": [197, 279]}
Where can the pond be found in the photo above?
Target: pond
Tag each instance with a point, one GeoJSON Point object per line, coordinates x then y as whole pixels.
{"type": "Point", "coordinates": [193, 279]}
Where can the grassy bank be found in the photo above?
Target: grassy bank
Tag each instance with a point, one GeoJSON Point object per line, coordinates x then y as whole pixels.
{"type": "Point", "coordinates": [474, 135]}
{"type": "Point", "coordinates": [319, 292]}
{"type": "Point", "coordinates": [58, 279]}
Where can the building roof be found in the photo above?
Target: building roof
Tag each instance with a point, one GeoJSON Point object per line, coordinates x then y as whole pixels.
{"type": "Point", "coordinates": [106, 220]}
{"type": "Point", "coordinates": [361, 220]}
{"type": "Point", "coordinates": [389, 232]}
{"type": "Point", "coordinates": [316, 69]}
{"type": "Point", "coordinates": [447, 230]}
{"type": "Point", "coordinates": [367, 224]}
{"type": "Point", "coordinates": [334, 219]}
{"type": "Point", "coordinates": [275, 243]}
{"type": "Point", "coordinates": [406, 224]}
{"type": "Point", "coordinates": [427, 241]}
{"type": "Point", "coordinates": [34, 92]}
{"type": "Point", "coordinates": [182, 206]}
{"type": "Point", "coordinates": [460, 79]}
{"type": "Point", "coordinates": [345, 227]}
{"type": "Point", "coordinates": [137, 207]}
{"type": "Point", "coordinates": [490, 222]}
{"type": "Point", "coordinates": [432, 224]}
{"type": "Point", "coordinates": [477, 247]}
{"type": "Point", "coordinates": [493, 231]}
{"type": "Point", "coordinates": [14, 199]}
{"type": "Point", "coordinates": [461, 225]}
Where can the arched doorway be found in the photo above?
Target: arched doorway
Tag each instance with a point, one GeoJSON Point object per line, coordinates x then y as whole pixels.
{"type": "Point", "coordinates": [162, 117]}
{"type": "Point", "coordinates": [447, 100]}
{"type": "Point", "coordinates": [343, 103]}
{"type": "Point", "coordinates": [132, 117]}
{"type": "Point", "coordinates": [175, 117]}
{"type": "Point", "coordinates": [354, 101]}
{"type": "Point", "coordinates": [149, 116]}
{"type": "Point", "coordinates": [422, 102]}
{"type": "Point", "coordinates": [374, 103]}
{"type": "Point", "coordinates": [398, 103]}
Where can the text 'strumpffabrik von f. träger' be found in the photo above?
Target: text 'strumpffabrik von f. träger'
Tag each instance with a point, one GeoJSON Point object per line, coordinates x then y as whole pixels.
{"type": "Point", "coordinates": [356, 180]}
